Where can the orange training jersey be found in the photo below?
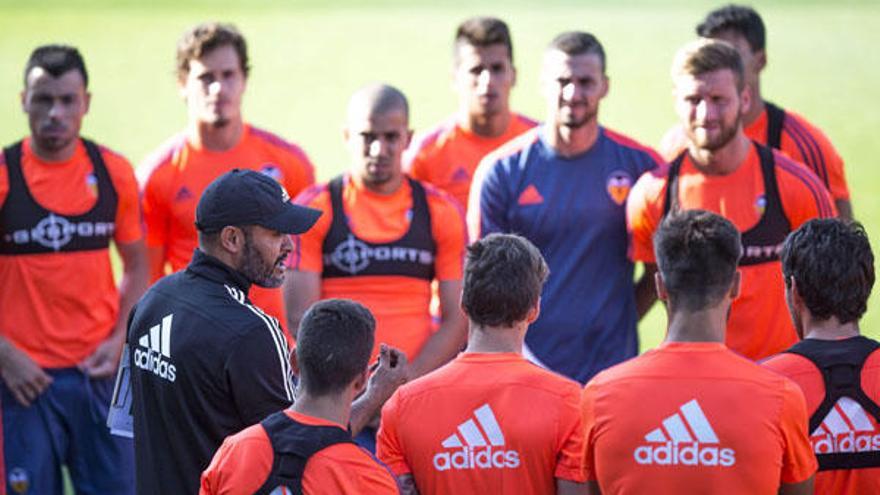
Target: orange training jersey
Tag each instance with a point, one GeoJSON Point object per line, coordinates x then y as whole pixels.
{"type": "Point", "coordinates": [447, 155]}
{"type": "Point", "coordinates": [244, 461]}
{"type": "Point", "coordinates": [850, 416]}
{"type": "Point", "coordinates": [694, 418]}
{"type": "Point", "coordinates": [58, 307]}
{"type": "Point", "coordinates": [801, 141]}
{"type": "Point", "coordinates": [400, 304]}
{"type": "Point", "coordinates": [759, 323]}
{"type": "Point", "coordinates": [485, 424]}
{"type": "Point", "coordinates": [173, 178]}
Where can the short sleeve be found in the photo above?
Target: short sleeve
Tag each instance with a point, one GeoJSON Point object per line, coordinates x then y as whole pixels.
{"type": "Point", "coordinates": [570, 458]}
{"type": "Point", "coordinates": [643, 214]}
{"type": "Point", "coordinates": [450, 234]}
{"type": "Point", "coordinates": [388, 447]}
{"type": "Point", "coordinates": [488, 203]}
{"type": "Point", "coordinates": [806, 143]}
{"type": "Point", "coordinates": [128, 212]}
{"type": "Point", "coordinates": [588, 415]}
{"type": "Point", "coordinates": [798, 460]}
{"type": "Point", "coordinates": [241, 465]}
{"type": "Point", "coordinates": [156, 208]}
{"type": "Point", "coordinates": [307, 253]}
{"type": "Point", "coordinates": [258, 373]}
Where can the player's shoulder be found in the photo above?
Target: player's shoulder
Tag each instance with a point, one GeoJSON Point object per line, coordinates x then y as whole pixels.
{"type": "Point", "coordinates": [274, 141]}
{"type": "Point", "coordinates": [514, 147]}
{"type": "Point", "coordinates": [439, 199]}
{"type": "Point", "coordinates": [789, 364]}
{"type": "Point", "coordinates": [523, 122]}
{"type": "Point", "coordinates": [360, 468]}
{"type": "Point", "coordinates": [798, 127]}
{"type": "Point", "coordinates": [796, 177]}
{"type": "Point", "coordinates": [118, 166]}
{"type": "Point", "coordinates": [629, 143]}
{"type": "Point", "coordinates": [433, 137]}
{"type": "Point", "coordinates": [316, 194]}
{"type": "Point", "coordinates": [162, 159]}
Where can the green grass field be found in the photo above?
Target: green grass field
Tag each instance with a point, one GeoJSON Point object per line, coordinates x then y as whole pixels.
{"type": "Point", "coordinates": [308, 56]}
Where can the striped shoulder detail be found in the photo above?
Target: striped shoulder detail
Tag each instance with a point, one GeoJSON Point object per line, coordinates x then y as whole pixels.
{"type": "Point", "coordinates": [809, 179]}
{"type": "Point", "coordinates": [433, 192]}
{"type": "Point", "coordinates": [279, 142]}
{"type": "Point", "coordinates": [526, 121]}
{"type": "Point", "coordinates": [162, 156]}
{"type": "Point", "coordinates": [807, 145]}
{"type": "Point", "coordinates": [277, 335]}
{"type": "Point", "coordinates": [432, 135]}
{"type": "Point", "coordinates": [631, 143]}
{"type": "Point", "coordinates": [309, 194]}
{"type": "Point", "coordinates": [514, 146]}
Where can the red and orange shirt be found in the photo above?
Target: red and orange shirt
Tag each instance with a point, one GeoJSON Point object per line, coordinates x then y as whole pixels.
{"type": "Point", "coordinates": [447, 155]}
{"type": "Point", "coordinates": [400, 304]}
{"type": "Point", "coordinates": [244, 461]}
{"type": "Point", "coordinates": [759, 323]}
{"type": "Point", "coordinates": [485, 423]}
{"type": "Point", "coordinates": [694, 418]}
{"type": "Point", "coordinates": [801, 141]}
{"type": "Point", "coordinates": [174, 177]}
{"type": "Point", "coordinates": [57, 307]}
{"type": "Point", "coordinates": [847, 422]}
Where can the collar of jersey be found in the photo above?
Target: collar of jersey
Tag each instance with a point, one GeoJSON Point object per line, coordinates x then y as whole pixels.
{"type": "Point", "coordinates": [209, 267]}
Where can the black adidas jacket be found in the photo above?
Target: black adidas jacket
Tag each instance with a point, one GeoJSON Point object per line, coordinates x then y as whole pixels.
{"type": "Point", "coordinates": [205, 363]}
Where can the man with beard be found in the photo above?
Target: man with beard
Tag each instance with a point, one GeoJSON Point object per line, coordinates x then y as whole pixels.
{"type": "Point", "coordinates": [762, 192]}
{"type": "Point", "coordinates": [385, 238]}
{"type": "Point", "coordinates": [563, 186]}
{"type": "Point", "coordinates": [205, 362]}
{"type": "Point", "coordinates": [212, 75]}
{"type": "Point", "coordinates": [63, 199]}
{"type": "Point", "coordinates": [483, 75]}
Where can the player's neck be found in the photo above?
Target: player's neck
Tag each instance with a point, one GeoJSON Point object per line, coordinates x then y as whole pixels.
{"type": "Point", "coordinates": [830, 329]}
{"type": "Point", "coordinates": [59, 155]}
{"type": "Point", "coordinates": [494, 340]}
{"type": "Point", "coordinates": [487, 126]}
{"type": "Point", "coordinates": [572, 141]}
{"type": "Point", "coordinates": [385, 188]}
{"type": "Point", "coordinates": [724, 160]}
{"type": "Point", "coordinates": [757, 107]}
{"type": "Point", "coordinates": [333, 407]}
{"type": "Point", "coordinates": [216, 138]}
{"type": "Point", "coordinates": [697, 326]}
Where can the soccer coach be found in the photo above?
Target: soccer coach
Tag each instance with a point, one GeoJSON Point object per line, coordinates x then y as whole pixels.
{"type": "Point", "coordinates": [206, 362]}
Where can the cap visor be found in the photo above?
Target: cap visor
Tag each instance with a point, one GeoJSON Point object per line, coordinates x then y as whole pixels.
{"type": "Point", "coordinates": [293, 219]}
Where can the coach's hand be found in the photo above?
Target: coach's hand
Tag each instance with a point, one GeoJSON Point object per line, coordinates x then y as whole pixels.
{"type": "Point", "coordinates": [22, 376]}
{"type": "Point", "coordinates": [102, 363]}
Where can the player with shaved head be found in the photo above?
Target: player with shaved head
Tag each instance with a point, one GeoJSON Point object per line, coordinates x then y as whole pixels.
{"type": "Point", "coordinates": [384, 238]}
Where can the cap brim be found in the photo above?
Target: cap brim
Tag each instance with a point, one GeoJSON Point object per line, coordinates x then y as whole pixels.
{"type": "Point", "coordinates": [293, 219]}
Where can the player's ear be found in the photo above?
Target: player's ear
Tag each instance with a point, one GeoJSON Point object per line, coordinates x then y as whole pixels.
{"type": "Point", "coordinates": [533, 313]}
{"type": "Point", "coordinates": [87, 101]}
{"type": "Point", "coordinates": [736, 285]}
{"type": "Point", "coordinates": [660, 287]}
{"type": "Point", "coordinates": [232, 239]}
{"type": "Point", "coordinates": [606, 86]}
{"type": "Point", "coordinates": [760, 60]}
{"type": "Point", "coordinates": [360, 382]}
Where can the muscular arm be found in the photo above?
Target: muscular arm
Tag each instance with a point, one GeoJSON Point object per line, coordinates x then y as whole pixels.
{"type": "Point", "coordinates": [301, 290]}
{"type": "Point", "coordinates": [566, 487]}
{"type": "Point", "coordinates": [103, 361]}
{"type": "Point", "coordinates": [646, 293]}
{"type": "Point", "coordinates": [407, 485]}
{"type": "Point", "coordinates": [802, 488]}
{"type": "Point", "coordinates": [448, 340]}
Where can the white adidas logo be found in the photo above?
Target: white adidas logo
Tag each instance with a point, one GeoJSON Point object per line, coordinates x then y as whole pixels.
{"type": "Point", "coordinates": [477, 445]}
{"type": "Point", "coordinates": [683, 439]}
{"type": "Point", "coordinates": [153, 346]}
{"type": "Point", "coordinates": [846, 428]}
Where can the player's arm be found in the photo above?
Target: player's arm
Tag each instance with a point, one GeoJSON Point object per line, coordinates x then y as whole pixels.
{"type": "Point", "coordinates": [488, 203]}
{"type": "Point", "coordinates": [646, 293]}
{"type": "Point", "coordinates": [22, 376]}
{"type": "Point", "coordinates": [390, 374]}
{"type": "Point", "coordinates": [407, 485]}
{"type": "Point", "coordinates": [802, 488]}
{"type": "Point", "coordinates": [258, 373]}
{"type": "Point", "coordinates": [449, 338]}
{"type": "Point", "coordinates": [156, 262]}
{"type": "Point", "coordinates": [104, 360]}
{"type": "Point", "coordinates": [301, 289]}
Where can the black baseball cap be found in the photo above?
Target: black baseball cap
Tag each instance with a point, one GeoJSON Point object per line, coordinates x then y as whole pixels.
{"type": "Point", "coordinates": [245, 197]}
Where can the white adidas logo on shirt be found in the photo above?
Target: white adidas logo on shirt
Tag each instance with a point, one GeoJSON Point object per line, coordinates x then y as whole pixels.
{"type": "Point", "coordinates": [845, 429]}
{"type": "Point", "coordinates": [153, 347]}
{"type": "Point", "coordinates": [685, 439]}
{"type": "Point", "coordinates": [478, 444]}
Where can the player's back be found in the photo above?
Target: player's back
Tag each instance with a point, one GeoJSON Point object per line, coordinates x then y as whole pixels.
{"type": "Point", "coordinates": [485, 423]}
{"type": "Point", "coordinates": [695, 418]}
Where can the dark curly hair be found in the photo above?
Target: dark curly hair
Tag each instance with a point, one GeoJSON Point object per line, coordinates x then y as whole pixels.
{"type": "Point", "coordinates": [740, 19]}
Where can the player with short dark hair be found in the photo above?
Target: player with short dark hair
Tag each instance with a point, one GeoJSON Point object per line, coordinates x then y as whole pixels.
{"type": "Point", "coordinates": [489, 421]}
{"type": "Point", "coordinates": [483, 75]}
{"type": "Point", "coordinates": [673, 420]}
{"type": "Point", "coordinates": [563, 186]}
{"type": "Point", "coordinates": [764, 122]}
{"type": "Point", "coordinates": [828, 267]}
{"type": "Point", "coordinates": [764, 193]}
{"type": "Point", "coordinates": [306, 449]}
{"type": "Point", "coordinates": [212, 75]}
{"type": "Point", "coordinates": [63, 200]}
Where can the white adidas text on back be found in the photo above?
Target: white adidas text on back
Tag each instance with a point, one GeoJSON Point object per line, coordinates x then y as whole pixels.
{"type": "Point", "coordinates": [475, 452]}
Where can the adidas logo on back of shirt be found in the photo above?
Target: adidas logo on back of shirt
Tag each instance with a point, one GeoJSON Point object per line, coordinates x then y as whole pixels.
{"type": "Point", "coordinates": [154, 350]}
{"type": "Point", "coordinates": [477, 445]}
{"type": "Point", "coordinates": [847, 428]}
{"type": "Point", "coordinates": [685, 439]}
